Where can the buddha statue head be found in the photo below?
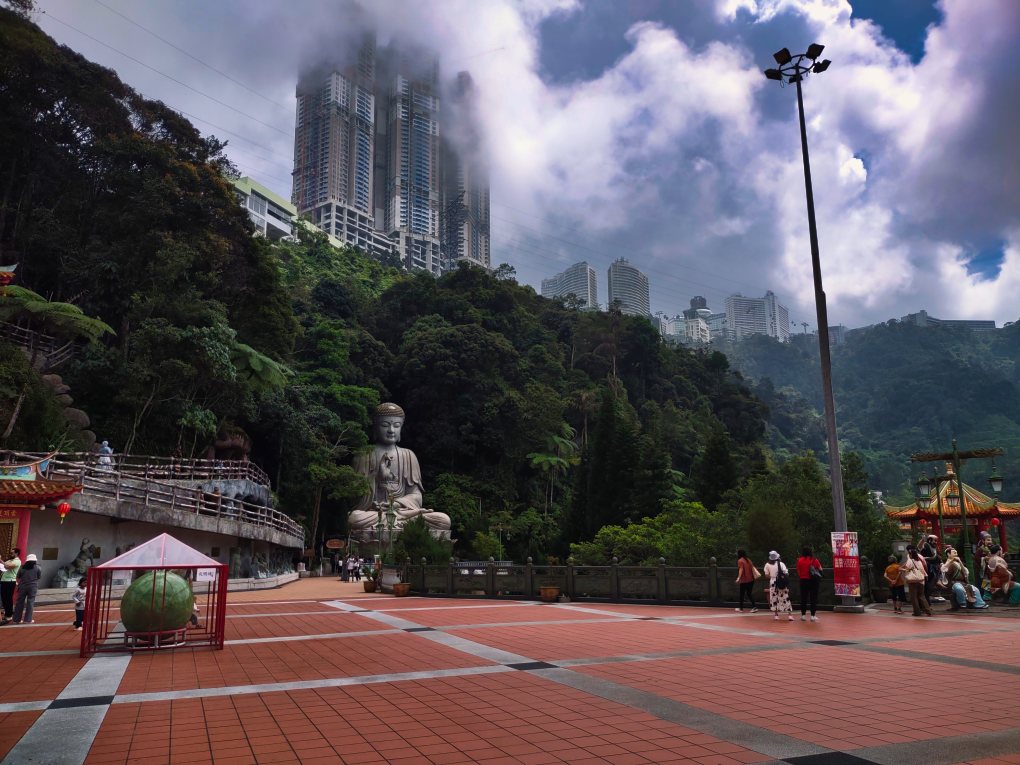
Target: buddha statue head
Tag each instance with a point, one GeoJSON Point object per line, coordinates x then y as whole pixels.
{"type": "Point", "coordinates": [388, 421]}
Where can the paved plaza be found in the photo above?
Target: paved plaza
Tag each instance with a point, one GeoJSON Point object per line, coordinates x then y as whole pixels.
{"type": "Point", "coordinates": [319, 672]}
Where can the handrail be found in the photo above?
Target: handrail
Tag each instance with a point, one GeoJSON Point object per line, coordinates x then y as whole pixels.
{"type": "Point", "coordinates": [168, 468]}
{"type": "Point", "coordinates": [149, 490]}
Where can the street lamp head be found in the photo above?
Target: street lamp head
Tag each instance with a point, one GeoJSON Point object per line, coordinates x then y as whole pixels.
{"type": "Point", "coordinates": [782, 56]}
{"type": "Point", "coordinates": [995, 480]}
{"type": "Point", "coordinates": [773, 74]}
{"type": "Point", "coordinates": [923, 485]}
{"type": "Point", "coordinates": [953, 500]}
{"type": "Point", "coordinates": [820, 66]}
{"type": "Point", "coordinates": [814, 50]}
{"type": "Point", "coordinates": [924, 501]}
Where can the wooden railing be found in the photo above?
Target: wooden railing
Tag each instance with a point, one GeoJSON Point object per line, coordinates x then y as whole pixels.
{"type": "Point", "coordinates": [164, 468]}
{"type": "Point", "coordinates": [129, 480]}
{"type": "Point", "coordinates": [43, 346]}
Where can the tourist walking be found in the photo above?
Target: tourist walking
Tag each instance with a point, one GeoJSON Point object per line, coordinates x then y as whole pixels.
{"type": "Point", "coordinates": [779, 586]}
{"type": "Point", "coordinates": [352, 568]}
{"type": "Point", "coordinates": [809, 570]}
{"type": "Point", "coordinates": [8, 581]}
{"type": "Point", "coordinates": [28, 588]}
{"type": "Point", "coordinates": [79, 604]}
{"type": "Point", "coordinates": [915, 574]}
{"type": "Point", "coordinates": [897, 591]}
{"type": "Point", "coordinates": [746, 576]}
{"type": "Point", "coordinates": [105, 455]}
{"type": "Point", "coordinates": [356, 570]}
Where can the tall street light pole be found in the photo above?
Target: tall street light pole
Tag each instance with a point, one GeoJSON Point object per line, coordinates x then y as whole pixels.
{"type": "Point", "coordinates": [793, 69]}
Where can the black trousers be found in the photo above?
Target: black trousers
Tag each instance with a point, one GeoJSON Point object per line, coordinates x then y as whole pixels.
{"type": "Point", "coordinates": [809, 595]}
{"type": "Point", "coordinates": [7, 597]}
{"type": "Point", "coordinates": [747, 588]}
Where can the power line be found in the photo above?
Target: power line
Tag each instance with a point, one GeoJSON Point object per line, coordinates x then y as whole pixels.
{"type": "Point", "coordinates": [164, 74]}
{"type": "Point", "coordinates": [192, 56]}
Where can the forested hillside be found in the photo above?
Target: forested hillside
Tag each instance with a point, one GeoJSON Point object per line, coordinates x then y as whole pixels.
{"type": "Point", "coordinates": [900, 389]}
{"type": "Point", "coordinates": [536, 425]}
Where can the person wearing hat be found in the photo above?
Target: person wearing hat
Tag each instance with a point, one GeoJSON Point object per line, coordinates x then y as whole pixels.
{"type": "Point", "coordinates": [779, 586]}
{"type": "Point", "coordinates": [929, 550]}
{"type": "Point", "coordinates": [28, 588]}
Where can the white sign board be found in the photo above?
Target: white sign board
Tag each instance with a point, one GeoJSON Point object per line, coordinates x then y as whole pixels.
{"type": "Point", "coordinates": [205, 575]}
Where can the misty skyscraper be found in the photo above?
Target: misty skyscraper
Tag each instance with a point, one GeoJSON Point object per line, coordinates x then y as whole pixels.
{"type": "Point", "coordinates": [378, 165]}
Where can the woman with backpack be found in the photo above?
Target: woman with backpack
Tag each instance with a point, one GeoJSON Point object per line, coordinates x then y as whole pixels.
{"type": "Point", "coordinates": [809, 570]}
{"type": "Point", "coordinates": [915, 572]}
{"type": "Point", "coordinates": [779, 586]}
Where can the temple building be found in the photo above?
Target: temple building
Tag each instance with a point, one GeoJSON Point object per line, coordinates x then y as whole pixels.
{"type": "Point", "coordinates": [984, 513]}
{"type": "Point", "coordinates": [24, 492]}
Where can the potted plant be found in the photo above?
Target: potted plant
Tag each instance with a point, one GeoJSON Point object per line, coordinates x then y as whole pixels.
{"type": "Point", "coordinates": [549, 593]}
{"type": "Point", "coordinates": [402, 588]}
{"type": "Point", "coordinates": [371, 574]}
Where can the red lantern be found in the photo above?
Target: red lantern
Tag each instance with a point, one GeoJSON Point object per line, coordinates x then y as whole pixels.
{"type": "Point", "coordinates": [994, 521]}
{"type": "Point", "coordinates": [63, 509]}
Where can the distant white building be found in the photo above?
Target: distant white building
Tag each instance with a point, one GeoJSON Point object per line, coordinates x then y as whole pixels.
{"type": "Point", "coordinates": [717, 327]}
{"type": "Point", "coordinates": [757, 316]}
{"type": "Point", "coordinates": [578, 280]}
{"type": "Point", "coordinates": [272, 215]}
{"type": "Point", "coordinates": [628, 287]}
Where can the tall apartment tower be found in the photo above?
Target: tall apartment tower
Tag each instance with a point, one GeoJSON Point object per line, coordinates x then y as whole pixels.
{"type": "Point", "coordinates": [628, 287]}
{"type": "Point", "coordinates": [757, 316]}
{"type": "Point", "coordinates": [334, 145]}
{"type": "Point", "coordinates": [465, 198]}
{"type": "Point", "coordinates": [578, 280]}
{"type": "Point", "coordinates": [370, 166]}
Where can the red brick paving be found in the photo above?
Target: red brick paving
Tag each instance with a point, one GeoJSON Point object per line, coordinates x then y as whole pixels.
{"type": "Point", "coordinates": [605, 639]}
{"type": "Point", "coordinates": [837, 697]}
{"type": "Point", "coordinates": [288, 661]}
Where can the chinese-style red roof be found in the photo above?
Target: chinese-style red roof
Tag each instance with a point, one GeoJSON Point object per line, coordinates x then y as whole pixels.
{"type": "Point", "coordinates": [977, 505]}
{"type": "Point", "coordinates": [17, 492]}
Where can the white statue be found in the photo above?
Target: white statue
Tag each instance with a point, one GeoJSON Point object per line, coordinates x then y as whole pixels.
{"type": "Point", "coordinates": [395, 477]}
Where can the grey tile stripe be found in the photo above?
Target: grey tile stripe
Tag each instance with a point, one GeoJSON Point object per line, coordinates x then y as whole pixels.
{"type": "Point", "coordinates": [64, 736]}
{"type": "Point", "coordinates": [1010, 669]}
{"type": "Point", "coordinates": [320, 636]}
{"type": "Point", "coordinates": [944, 751]}
{"type": "Point", "coordinates": [19, 654]}
{"type": "Point", "coordinates": [744, 734]}
{"type": "Point", "coordinates": [301, 685]}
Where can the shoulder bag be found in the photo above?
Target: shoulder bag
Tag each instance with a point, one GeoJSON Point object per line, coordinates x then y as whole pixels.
{"type": "Point", "coordinates": [782, 577]}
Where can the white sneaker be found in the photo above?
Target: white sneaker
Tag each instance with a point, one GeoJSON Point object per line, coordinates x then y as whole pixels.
{"type": "Point", "coordinates": [789, 618]}
{"type": "Point", "coordinates": [776, 617]}
{"type": "Point", "coordinates": [739, 610]}
{"type": "Point", "coordinates": [802, 618]}
{"type": "Point", "coordinates": [814, 618]}
{"type": "Point", "coordinates": [754, 610]}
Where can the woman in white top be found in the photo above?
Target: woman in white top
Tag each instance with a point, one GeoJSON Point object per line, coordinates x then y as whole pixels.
{"type": "Point", "coordinates": [779, 586]}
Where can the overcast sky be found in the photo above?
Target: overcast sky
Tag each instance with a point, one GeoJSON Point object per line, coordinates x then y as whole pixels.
{"type": "Point", "coordinates": [645, 129]}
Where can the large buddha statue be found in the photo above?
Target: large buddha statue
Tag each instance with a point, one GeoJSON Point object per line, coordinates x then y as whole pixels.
{"type": "Point", "coordinates": [394, 476]}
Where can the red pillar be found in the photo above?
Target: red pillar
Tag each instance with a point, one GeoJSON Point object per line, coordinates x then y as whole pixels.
{"type": "Point", "coordinates": [24, 519]}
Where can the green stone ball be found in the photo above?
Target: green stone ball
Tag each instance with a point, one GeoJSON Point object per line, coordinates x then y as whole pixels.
{"type": "Point", "coordinates": [149, 605]}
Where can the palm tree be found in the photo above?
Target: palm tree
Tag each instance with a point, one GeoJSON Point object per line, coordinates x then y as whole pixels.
{"type": "Point", "coordinates": [560, 455]}
{"type": "Point", "coordinates": [36, 314]}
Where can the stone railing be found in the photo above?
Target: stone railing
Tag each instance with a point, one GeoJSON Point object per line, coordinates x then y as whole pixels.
{"type": "Point", "coordinates": [679, 585]}
{"type": "Point", "coordinates": [125, 483]}
{"type": "Point", "coordinates": [147, 467]}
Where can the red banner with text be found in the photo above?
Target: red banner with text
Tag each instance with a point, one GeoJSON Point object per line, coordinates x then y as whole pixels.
{"type": "Point", "coordinates": [846, 564]}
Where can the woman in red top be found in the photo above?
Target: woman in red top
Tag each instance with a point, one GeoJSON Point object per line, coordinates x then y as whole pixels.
{"type": "Point", "coordinates": [809, 569]}
{"type": "Point", "coordinates": [745, 578]}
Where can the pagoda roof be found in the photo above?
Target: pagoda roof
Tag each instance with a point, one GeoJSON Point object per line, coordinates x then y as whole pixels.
{"type": "Point", "coordinates": [31, 470]}
{"type": "Point", "coordinates": [976, 503]}
{"type": "Point", "coordinates": [163, 551]}
{"type": "Point", "coordinates": [30, 493]}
